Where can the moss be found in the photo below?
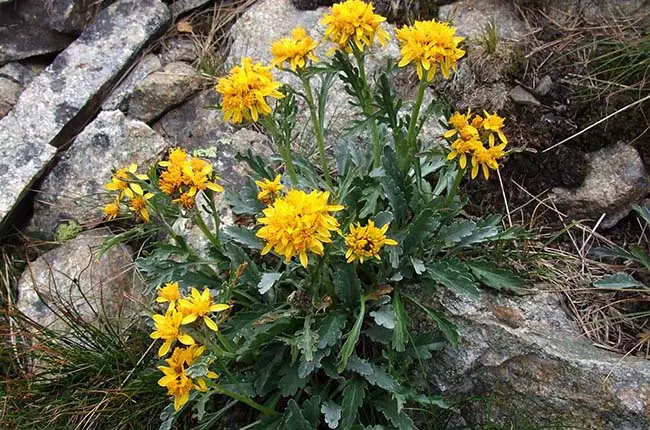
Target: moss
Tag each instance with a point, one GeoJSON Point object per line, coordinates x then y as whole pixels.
{"type": "Point", "coordinates": [67, 231]}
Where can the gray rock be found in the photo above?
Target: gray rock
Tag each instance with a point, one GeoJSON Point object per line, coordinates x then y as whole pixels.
{"type": "Point", "coordinates": [616, 180]}
{"type": "Point", "coordinates": [531, 361]}
{"type": "Point", "coordinates": [178, 49]}
{"type": "Point", "coordinates": [73, 276]}
{"type": "Point", "coordinates": [20, 39]}
{"type": "Point", "coordinates": [592, 11]}
{"type": "Point", "coordinates": [544, 85]}
{"type": "Point", "coordinates": [65, 16]}
{"type": "Point", "coordinates": [120, 96]}
{"type": "Point", "coordinates": [9, 93]}
{"type": "Point", "coordinates": [74, 188]}
{"type": "Point", "coordinates": [394, 11]}
{"type": "Point", "coordinates": [468, 90]}
{"type": "Point", "coordinates": [18, 73]}
{"type": "Point", "coordinates": [179, 7]}
{"type": "Point", "coordinates": [162, 90]}
{"type": "Point", "coordinates": [471, 16]}
{"type": "Point", "coordinates": [59, 101]}
{"type": "Point", "coordinates": [520, 96]}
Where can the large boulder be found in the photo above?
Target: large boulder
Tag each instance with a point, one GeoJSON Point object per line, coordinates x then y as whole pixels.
{"type": "Point", "coordinates": [74, 188]}
{"type": "Point", "coordinates": [162, 90]}
{"type": "Point", "coordinates": [75, 278]}
{"type": "Point", "coordinates": [59, 101]}
{"type": "Point", "coordinates": [616, 180]}
{"type": "Point", "coordinates": [13, 79]}
{"type": "Point", "coordinates": [531, 361]}
{"type": "Point", "coordinates": [65, 16]}
{"type": "Point", "coordinates": [121, 95]}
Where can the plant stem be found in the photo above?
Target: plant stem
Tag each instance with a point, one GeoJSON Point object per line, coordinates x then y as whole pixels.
{"type": "Point", "coordinates": [283, 147]}
{"type": "Point", "coordinates": [454, 187]}
{"type": "Point", "coordinates": [249, 402]}
{"type": "Point", "coordinates": [411, 136]}
{"type": "Point", "coordinates": [198, 219]}
{"type": "Point", "coordinates": [318, 127]}
{"type": "Point", "coordinates": [367, 109]}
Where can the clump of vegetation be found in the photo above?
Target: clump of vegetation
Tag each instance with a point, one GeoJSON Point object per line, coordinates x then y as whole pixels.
{"type": "Point", "coordinates": [67, 231]}
{"type": "Point", "coordinates": [301, 316]}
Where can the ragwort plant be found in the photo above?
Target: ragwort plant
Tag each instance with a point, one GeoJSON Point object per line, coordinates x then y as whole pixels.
{"type": "Point", "coordinates": [301, 313]}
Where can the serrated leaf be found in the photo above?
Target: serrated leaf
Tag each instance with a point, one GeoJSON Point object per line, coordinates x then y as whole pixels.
{"type": "Point", "coordinates": [418, 265]}
{"type": "Point", "coordinates": [455, 277]}
{"type": "Point", "coordinates": [388, 407]}
{"type": "Point", "coordinates": [268, 280]}
{"type": "Point", "coordinates": [353, 395]}
{"type": "Point", "coordinates": [446, 327]}
{"type": "Point", "coordinates": [330, 331]}
{"type": "Point", "coordinates": [395, 196]}
{"type": "Point", "coordinates": [332, 413]}
{"type": "Point", "coordinates": [419, 229]}
{"type": "Point", "coordinates": [311, 411]}
{"type": "Point", "coordinates": [480, 234]}
{"type": "Point", "coordinates": [383, 218]}
{"type": "Point", "coordinates": [456, 231]}
{"type": "Point", "coordinates": [307, 340]}
{"type": "Point", "coordinates": [294, 419]}
{"type": "Point", "coordinates": [347, 285]}
{"type": "Point", "coordinates": [384, 316]}
{"type": "Point", "coordinates": [495, 277]}
{"type": "Point", "coordinates": [370, 197]}
{"type": "Point", "coordinates": [243, 236]}
{"type": "Point", "coordinates": [290, 383]}
{"type": "Point", "coordinates": [359, 366]}
{"type": "Point", "coordinates": [382, 379]}
{"type": "Point", "coordinates": [618, 281]}
{"type": "Point", "coordinates": [402, 323]}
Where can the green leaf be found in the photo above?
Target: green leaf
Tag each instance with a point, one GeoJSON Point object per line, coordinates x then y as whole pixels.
{"type": "Point", "coordinates": [395, 197]}
{"type": "Point", "coordinates": [424, 344]}
{"type": "Point", "coordinates": [291, 382]}
{"type": "Point", "coordinates": [640, 254]}
{"type": "Point", "coordinates": [618, 281]}
{"type": "Point", "coordinates": [389, 408]}
{"type": "Point", "coordinates": [402, 322]}
{"type": "Point", "coordinates": [369, 195]}
{"type": "Point", "coordinates": [353, 395]}
{"type": "Point", "coordinates": [347, 285]}
{"type": "Point", "coordinates": [419, 229]}
{"type": "Point", "coordinates": [643, 212]}
{"type": "Point", "coordinates": [294, 419]}
{"type": "Point", "coordinates": [332, 413]}
{"type": "Point", "coordinates": [311, 411]}
{"type": "Point", "coordinates": [384, 316]}
{"type": "Point", "coordinates": [307, 340]}
{"type": "Point", "coordinates": [455, 277]}
{"type": "Point", "coordinates": [266, 368]}
{"type": "Point", "coordinates": [495, 277]}
{"type": "Point", "coordinates": [446, 327]}
{"type": "Point", "coordinates": [330, 330]}
{"type": "Point", "coordinates": [268, 280]}
{"type": "Point", "coordinates": [373, 373]}
{"type": "Point", "coordinates": [383, 218]}
{"type": "Point", "coordinates": [480, 234]}
{"type": "Point", "coordinates": [243, 236]}
{"type": "Point", "coordinates": [456, 231]}
{"type": "Point", "coordinates": [353, 337]}
{"type": "Point", "coordinates": [359, 366]}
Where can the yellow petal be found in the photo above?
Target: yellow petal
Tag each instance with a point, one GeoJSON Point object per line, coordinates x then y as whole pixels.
{"type": "Point", "coordinates": [210, 324]}
{"type": "Point", "coordinates": [185, 339]}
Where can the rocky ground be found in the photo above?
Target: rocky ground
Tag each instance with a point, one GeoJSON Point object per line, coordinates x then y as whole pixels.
{"type": "Point", "coordinates": [89, 86]}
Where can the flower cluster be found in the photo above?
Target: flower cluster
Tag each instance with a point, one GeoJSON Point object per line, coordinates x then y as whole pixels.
{"type": "Point", "coordinates": [244, 91]}
{"type": "Point", "coordinates": [295, 50]}
{"type": "Point", "coordinates": [179, 385]}
{"type": "Point", "coordinates": [354, 23]}
{"type": "Point", "coordinates": [183, 311]}
{"type": "Point", "coordinates": [269, 190]}
{"type": "Point", "coordinates": [471, 137]}
{"type": "Point", "coordinates": [184, 176]}
{"type": "Point", "coordinates": [125, 182]}
{"type": "Point", "coordinates": [429, 45]}
{"type": "Point", "coordinates": [297, 223]}
{"type": "Point", "coordinates": [366, 242]}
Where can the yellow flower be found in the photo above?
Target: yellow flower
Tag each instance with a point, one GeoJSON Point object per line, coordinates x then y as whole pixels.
{"type": "Point", "coordinates": [177, 157]}
{"type": "Point", "coordinates": [169, 293]}
{"type": "Point", "coordinates": [429, 44]}
{"type": "Point", "coordinates": [295, 50]}
{"type": "Point", "coordinates": [199, 305]}
{"type": "Point", "coordinates": [198, 175]}
{"type": "Point", "coordinates": [366, 242]}
{"type": "Point", "coordinates": [297, 223]}
{"type": "Point", "coordinates": [168, 328]}
{"type": "Point", "coordinates": [120, 181]}
{"type": "Point", "coordinates": [353, 23]}
{"type": "Point", "coordinates": [171, 179]}
{"type": "Point", "coordinates": [477, 122]}
{"type": "Point", "coordinates": [458, 121]}
{"type": "Point", "coordinates": [244, 91]}
{"type": "Point", "coordinates": [486, 159]}
{"type": "Point", "coordinates": [112, 210]}
{"type": "Point", "coordinates": [494, 124]}
{"type": "Point", "coordinates": [186, 200]}
{"type": "Point", "coordinates": [269, 190]}
{"type": "Point", "coordinates": [461, 148]}
{"type": "Point", "coordinates": [138, 204]}
{"type": "Point", "coordinates": [178, 384]}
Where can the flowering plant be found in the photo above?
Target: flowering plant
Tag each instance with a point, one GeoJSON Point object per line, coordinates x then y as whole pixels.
{"type": "Point", "coordinates": [304, 318]}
